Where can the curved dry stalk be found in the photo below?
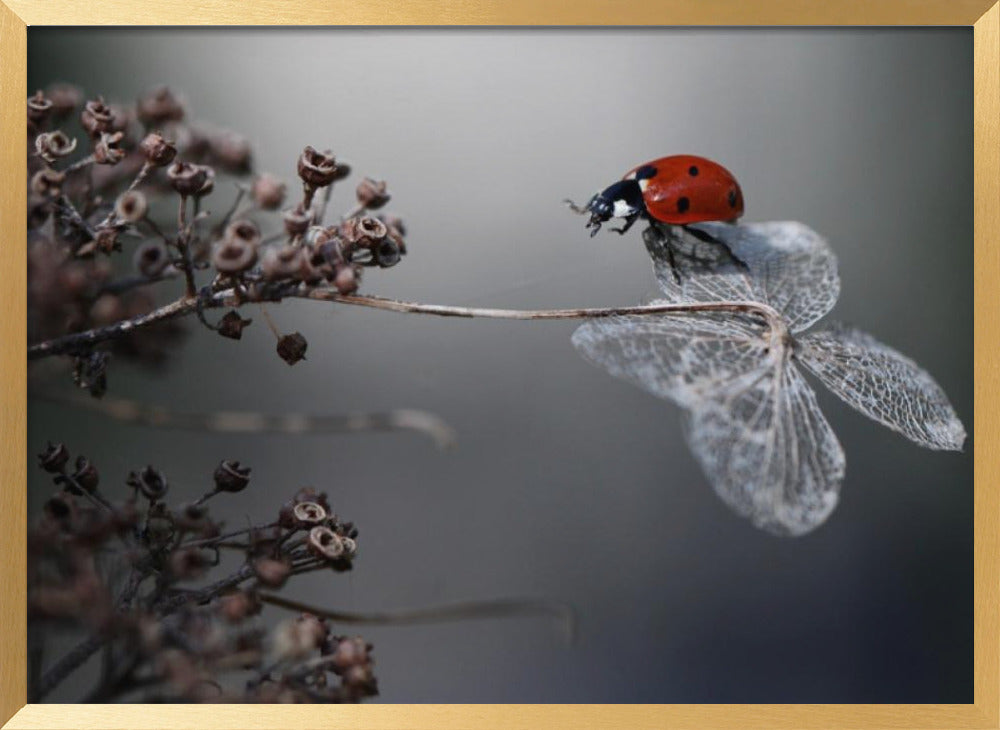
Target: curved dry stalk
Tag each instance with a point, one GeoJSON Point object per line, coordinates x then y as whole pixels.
{"type": "Point", "coordinates": [79, 341]}
{"type": "Point", "coordinates": [131, 411]}
{"type": "Point", "coordinates": [564, 614]}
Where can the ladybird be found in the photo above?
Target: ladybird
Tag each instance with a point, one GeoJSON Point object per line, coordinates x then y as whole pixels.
{"type": "Point", "coordinates": [676, 190]}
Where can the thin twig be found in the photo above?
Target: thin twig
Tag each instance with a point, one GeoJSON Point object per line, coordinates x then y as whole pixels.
{"type": "Point", "coordinates": [82, 340]}
{"type": "Point", "coordinates": [502, 608]}
{"type": "Point", "coordinates": [130, 411]}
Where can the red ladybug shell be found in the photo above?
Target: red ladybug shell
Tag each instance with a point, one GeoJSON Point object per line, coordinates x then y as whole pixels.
{"type": "Point", "coordinates": [688, 189]}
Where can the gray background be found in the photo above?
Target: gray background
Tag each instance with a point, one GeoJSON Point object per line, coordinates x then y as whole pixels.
{"type": "Point", "coordinates": [567, 483]}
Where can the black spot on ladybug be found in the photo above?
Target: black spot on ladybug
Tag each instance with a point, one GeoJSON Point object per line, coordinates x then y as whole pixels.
{"type": "Point", "coordinates": [693, 171]}
{"type": "Point", "coordinates": [645, 172]}
{"type": "Point", "coordinates": [683, 204]}
{"type": "Point", "coordinates": [732, 198]}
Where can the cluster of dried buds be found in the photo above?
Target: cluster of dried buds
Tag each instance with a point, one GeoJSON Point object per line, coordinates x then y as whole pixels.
{"type": "Point", "coordinates": [135, 573]}
{"type": "Point", "coordinates": [100, 190]}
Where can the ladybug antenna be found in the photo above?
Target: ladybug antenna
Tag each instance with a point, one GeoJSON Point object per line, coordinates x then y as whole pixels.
{"type": "Point", "coordinates": [576, 208]}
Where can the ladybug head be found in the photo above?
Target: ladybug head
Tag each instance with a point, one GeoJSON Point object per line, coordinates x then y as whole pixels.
{"type": "Point", "coordinates": [623, 199]}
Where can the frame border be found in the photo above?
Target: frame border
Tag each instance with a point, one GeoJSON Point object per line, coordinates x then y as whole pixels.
{"type": "Point", "coordinates": [16, 15]}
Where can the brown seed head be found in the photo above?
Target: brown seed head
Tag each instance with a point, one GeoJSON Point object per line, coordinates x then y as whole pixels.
{"type": "Point", "coordinates": [187, 179]}
{"type": "Point", "coordinates": [47, 182]}
{"type": "Point", "coordinates": [108, 149]}
{"type": "Point", "coordinates": [325, 543]}
{"type": "Point", "coordinates": [292, 348]}
{"type": "Point", "coordinates": [283, 262]}
{"type": "Point", "coordinates": [272, 573]}
{"type": "Point", "coordinates": [159, 106]}
{"type": "Point", "coordinates": [50, 146]}
{"type": "Point", "coordinates": [97, 117]}
{"type": "Point", "coordinates": [231, 151]}
{"type": "Point", "coordinates": [347, 279]}
{"type": "Point", "coordinates": [65, 98]}
{"type": "Point", "coordinates": [151, 259]}
{"type": "Point", "coordinates": [231, 477]}
{"type": "Point", "coordinates": [372, 194]}
{"type": "Point", "coordinates": [157, 150]}
{"type": "Point", "coordinates": [131, 206]}
{"type": "Point", "coordinates": [308, 513]}
{"type": "Point", "coordinates": [297, 220]}
{"type": "Point", "coordinates": [54, 458]}
{"type": "Point", "coordinates": [150, 481]}
{"type": "Point", "coordinates": [317, 169]}
{"type": "Point", "coordinates": [232, 325]}
{"type": "Point", "coordinates": [268, 192]}
{"type": "Point", "coordinates": [39, 107]}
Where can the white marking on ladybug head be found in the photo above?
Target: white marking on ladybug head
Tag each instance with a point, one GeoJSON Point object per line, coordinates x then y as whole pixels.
{"type": "Point", "coordinates": [643, 184]}
{"type": "Point", "coordinates": [622, 209]}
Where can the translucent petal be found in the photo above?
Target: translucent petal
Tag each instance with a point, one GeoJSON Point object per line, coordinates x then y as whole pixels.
{"type": "Point", "coordinates": [883, 384]}
{"type": "Point", "coordinates": [753, 422]}
{"type": "Point", "coordinates": [787, 265]}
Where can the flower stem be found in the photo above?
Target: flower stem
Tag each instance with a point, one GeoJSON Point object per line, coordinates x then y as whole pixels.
{"type": "Point", "coordinates": [82, 340]}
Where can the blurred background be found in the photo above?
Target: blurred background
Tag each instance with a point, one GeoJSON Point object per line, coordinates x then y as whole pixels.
{"type": "Point", "coordinates": [566, 483]}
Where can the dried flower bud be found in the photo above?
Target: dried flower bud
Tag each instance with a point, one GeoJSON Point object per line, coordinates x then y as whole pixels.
{"type": "Point", "coordinates": [187, 179]}
{"type": "Point", "coordinates": [295, 639]}
{"type": "Point", "coordinates": [282, 263]}
{"type": "Point", "coordinates": [86, 474]}
{"type": "Point", "coordinates": [231, 477]}
{"type": "Point", "coordinates": [372, 194]}
{"type": "Point", "coordinates": [107, 150]}
{"type": "Point", "coordinates": [232, 325]}
{"type": "Point", "coordinates": [150, 481]}
{"type": "Point", "coordinates": [347, 279]}
{"type": "Point", "coordinates": [39, 107]}
{"type": "Point", "coordinates": [234, 256]}
{"type": "Point", "coordinates": [348, 653]}
{"type": "Point", "coordinates": [231, 151]}
{"type": "Point", "coordinates": [193, 517]}
{"type": "Point", "coordinates": [188, 564]}
{"type": "Point", "coordinates": [97, 117]}
{"type": "Point", "coordinates": [131, 206]}
{"type": "Point", "coordinates": [387, 253]}
{"type": "Point", "coordinates": [292, 348]}
{"type": "Point", "coordinates": [47, 182]}
{"type": "Point", "coordinates": [159, 106]}
{"type": "Point", "coordinates": [91, 372]}
{"type": "Point", "coordinates": [268, 192]}
{"type": "Point", "coordinates": [151, 259]}
{"type": "Point", "coordinates": [244, 231]}
{"type": "Point", "coordinates": [60, 507]}
{"type": "Point", "coordinates": [157, 150]}
{"type": "Point", "coordinates": [65, 98]}
{"type": "Point", "coordinates": [297, 220]}
{"type": "Point", "coordinates": [209, 185]}
{"type": "Point", "coordinates": [272, 573]}
{"type": "Point", "coordinates": [350, 546]}
{"type": "Point", "coordinates": [239, 605]}
{"type": "Point", "coordinates": [50, 146]}
{"type": "Point", "coordinates": [308, 513]}
{"type": "Point", "coordinates": [317, 169]}
{"type": "Point", "coordinates": [371, 228]}
{"type": "Point", "coordinates": [325, 543]}
{"type": "Point", "coordinates": [54, 458]}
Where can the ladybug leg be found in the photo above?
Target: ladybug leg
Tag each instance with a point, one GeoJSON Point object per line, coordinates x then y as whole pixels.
{"type": "Point", "coordinates": [660, 245]}
{"type": "Point", "coordinates": [628, 224]}
{"type": "Point", "coordinates": [673, 264]}
{"type": "Point", "coordinates": [709, 238]}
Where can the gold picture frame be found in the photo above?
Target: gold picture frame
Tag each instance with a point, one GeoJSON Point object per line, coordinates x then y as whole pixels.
{"type": "Point", "coordinates": [16, 15]}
